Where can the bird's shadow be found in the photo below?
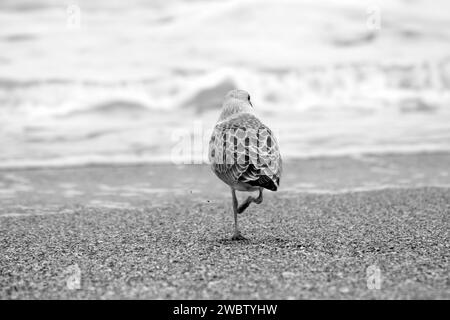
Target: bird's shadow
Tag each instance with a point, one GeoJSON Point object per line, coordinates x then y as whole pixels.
{"type": "Point", "coordinates": [229, 241]}
{"type": "Point", "coordinates": [269, 240]}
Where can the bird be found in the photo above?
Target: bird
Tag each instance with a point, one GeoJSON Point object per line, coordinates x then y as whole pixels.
{"type": "Point", "coordinates": [244, 153]}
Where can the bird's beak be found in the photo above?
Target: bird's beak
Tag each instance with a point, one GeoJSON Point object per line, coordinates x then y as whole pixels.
{"type": "Point", "coordinates": [250, 103]}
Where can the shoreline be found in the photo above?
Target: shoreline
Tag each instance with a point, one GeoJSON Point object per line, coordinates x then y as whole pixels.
{"type": "Point", "coordinates": [165, 161]}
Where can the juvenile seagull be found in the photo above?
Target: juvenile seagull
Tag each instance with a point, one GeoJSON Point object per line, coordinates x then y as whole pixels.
{"type": "Point", "coordinates": [244, 152]}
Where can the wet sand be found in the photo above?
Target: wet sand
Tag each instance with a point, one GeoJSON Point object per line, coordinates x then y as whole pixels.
{"type": "Point", "coordinates": [162, 231]}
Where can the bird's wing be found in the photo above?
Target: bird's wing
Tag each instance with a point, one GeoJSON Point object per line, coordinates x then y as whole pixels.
{"type": "Point", "coordinates": [243, 149]}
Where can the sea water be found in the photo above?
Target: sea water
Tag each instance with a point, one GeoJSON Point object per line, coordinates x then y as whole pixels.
{"type": "Point", "coordinates": [129, 82]}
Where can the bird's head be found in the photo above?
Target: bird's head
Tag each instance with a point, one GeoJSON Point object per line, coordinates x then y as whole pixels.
{"type": "Point", "coordinates": [236, 101]}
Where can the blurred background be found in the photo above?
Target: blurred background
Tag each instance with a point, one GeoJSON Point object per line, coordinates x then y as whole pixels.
{"type": "Point", "coordinates": [136, 81]}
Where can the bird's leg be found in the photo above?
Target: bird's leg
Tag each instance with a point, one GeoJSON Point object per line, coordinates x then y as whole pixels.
{"type": "Point", "coordinates": [236, 235]}
{"type": "Point", "coordinates": [249, 200]}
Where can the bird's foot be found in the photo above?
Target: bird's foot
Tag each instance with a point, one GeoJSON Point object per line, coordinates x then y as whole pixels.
{"type": "Point", "coordinates": [245, 205]}
{"type": "Point", "coordinates": [237, 236]}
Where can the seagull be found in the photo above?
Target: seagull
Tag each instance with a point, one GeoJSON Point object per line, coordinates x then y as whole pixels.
{"type": "Point", "coordinates": [244, 153]}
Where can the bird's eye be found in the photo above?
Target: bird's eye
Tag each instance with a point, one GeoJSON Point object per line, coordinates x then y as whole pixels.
{"type": "Point", "coordinates": [248, 98]}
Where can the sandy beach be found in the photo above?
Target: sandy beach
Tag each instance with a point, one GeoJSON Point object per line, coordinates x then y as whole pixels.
{"type": "Point", "coordinates": [162, 231]}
